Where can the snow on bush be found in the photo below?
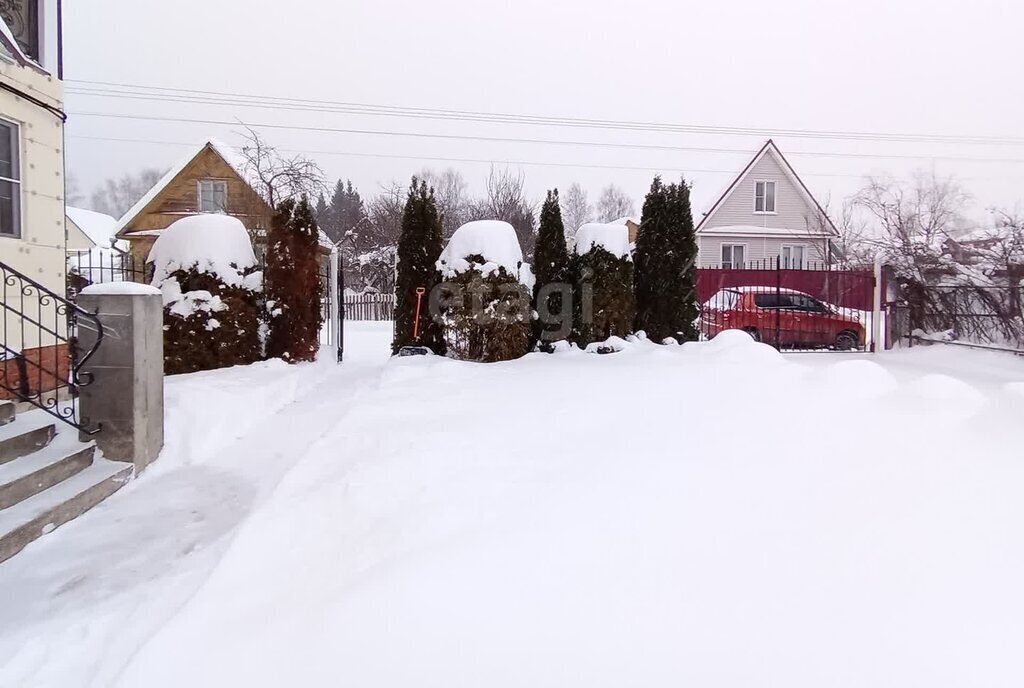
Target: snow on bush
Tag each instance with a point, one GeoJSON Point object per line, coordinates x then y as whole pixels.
{"type": "Point", "coordinates": [485, 246]}
{"type": "Point", "coordinates": [613, 238]}
{"type": "Point", "coordinates": [211, 243]}
{"type": "Point", "coordinates": [485, 304]}
{"type": "Point", "coordinates": [603, 274]}
{"type": "Point", "coordinates": [205, 268]}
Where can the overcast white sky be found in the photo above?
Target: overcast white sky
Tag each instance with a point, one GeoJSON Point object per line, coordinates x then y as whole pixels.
{"type": "Point", "coordinates": [892, 66]}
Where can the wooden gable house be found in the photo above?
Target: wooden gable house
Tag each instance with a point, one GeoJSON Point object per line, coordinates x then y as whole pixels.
{"type": "Point", "coordinates": [207, 180]}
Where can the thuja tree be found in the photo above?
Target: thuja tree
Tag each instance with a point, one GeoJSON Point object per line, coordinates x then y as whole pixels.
{"type": "Point", "coordinates": [486, 315]}
{"type": "Point", "coordinates": [293, 286]}
{"type": "Point", "coordinates": [551, 267]}
{"type": "Point", "coordinates": [603, 301]}
{"type": "Point", "coordinates": [419, 247]}
{"type": "Point", "coordinates": [208, 323]}
{"type": "Point", "coordinates": [666, 258]}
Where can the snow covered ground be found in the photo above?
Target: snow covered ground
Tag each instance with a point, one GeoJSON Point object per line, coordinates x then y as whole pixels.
{"type": "Point", "coordinates": [714, 514]}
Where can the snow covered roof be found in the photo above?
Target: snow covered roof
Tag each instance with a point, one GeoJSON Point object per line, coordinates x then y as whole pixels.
{"type": "Point", "coordinates": [769, 148]}
{"type": "Point", "coordinates": [224, 151]}
{"type": "Point", "coordinates": [612, 237]}
{"type": "Point", "coordinates": [211, 242]}
{"type": "Point", "coordinates": [624, 220]}
{"type": "Point", "coordinates": [99, 227]}
{"type": "Point", "coordinates": [494, 240]}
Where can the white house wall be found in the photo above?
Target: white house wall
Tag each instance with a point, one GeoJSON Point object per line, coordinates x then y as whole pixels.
{"type": "Point", "coordinates": [792, 209]}
{"type": "Point", "coordinates": [39, 252]}
{"type": "Point", "coordinates": [759, 249]}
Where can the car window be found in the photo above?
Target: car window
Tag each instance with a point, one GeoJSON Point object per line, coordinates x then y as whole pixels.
{"type": "Point", "coordinates": [769, 300]}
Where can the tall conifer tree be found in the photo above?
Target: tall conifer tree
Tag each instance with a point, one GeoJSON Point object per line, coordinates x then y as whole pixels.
{"type": "Point", "coordinates": [419, 248]}
{"type": "Point", "coordinates": [550, 265]}
{"type": "Point", "coordinates": [666, 272]}
{"type": "Point", "coordinates": [293, 287]}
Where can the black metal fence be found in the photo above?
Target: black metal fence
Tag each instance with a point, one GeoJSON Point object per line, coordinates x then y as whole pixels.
{"type": "Point", "coordinates": [40, 362]}
{"type": "Point", "coordinates": [100, 266]}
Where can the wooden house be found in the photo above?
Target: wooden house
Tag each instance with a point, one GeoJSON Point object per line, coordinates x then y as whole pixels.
{"type": "Point", "coordinates": [208, 179]}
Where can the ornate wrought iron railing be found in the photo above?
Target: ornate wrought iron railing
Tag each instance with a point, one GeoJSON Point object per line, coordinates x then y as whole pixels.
{"type": "Point", "coordinates": [39, 360]}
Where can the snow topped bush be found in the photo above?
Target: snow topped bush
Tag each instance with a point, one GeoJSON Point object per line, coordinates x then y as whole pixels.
{"type": "Point", "coordinates": [206, 270]}
{"type": "Point", "coordinates": [603, 276]}
{"type": "Point", "coordinates": [485, 296]}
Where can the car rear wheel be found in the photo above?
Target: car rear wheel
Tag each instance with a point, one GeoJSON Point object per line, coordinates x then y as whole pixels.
{"type": "Point", "coordinates": [754, 334]}
{"type": "Point", "coordinates": [847, 340]}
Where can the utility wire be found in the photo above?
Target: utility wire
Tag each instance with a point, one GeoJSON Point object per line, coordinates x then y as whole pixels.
{"type": "Point", "coordinates": [108, 89]}
{"type": "Point", "coordinates": [471, 160]}
{"type": "Point", "coordinates": [592, 144]}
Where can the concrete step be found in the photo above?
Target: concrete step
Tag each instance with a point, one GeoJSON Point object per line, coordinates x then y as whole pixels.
{"type": "Point", "coordinates": [8, 410]}
{"type": "Point", "coordinates": [55, 506]}
{"type": "Point", "coordinates": [30, 433]}
{"type": "Point", "coordinates": [30, 474]}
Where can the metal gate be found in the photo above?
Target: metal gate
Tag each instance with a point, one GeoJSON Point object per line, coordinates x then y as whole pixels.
{"type": "Point", "coordinates": [792, 309]}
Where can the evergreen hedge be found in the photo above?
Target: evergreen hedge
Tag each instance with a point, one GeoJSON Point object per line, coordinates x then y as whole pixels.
{"type": "Point", "coordinates": [603, 296]}
{"type": "Point", "coordinates": [293, 287]}
{"type": "Point", "coordinates": [211, 325]}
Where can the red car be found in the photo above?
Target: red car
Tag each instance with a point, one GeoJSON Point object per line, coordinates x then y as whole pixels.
{"type": "Point", "coordinates": [790, 319]}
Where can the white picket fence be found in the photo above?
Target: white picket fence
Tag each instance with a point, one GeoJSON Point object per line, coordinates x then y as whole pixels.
{"type": "Point", "coordinates": [369, 306]}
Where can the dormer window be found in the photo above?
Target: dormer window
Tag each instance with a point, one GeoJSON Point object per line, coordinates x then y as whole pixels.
{"type": "Point", "coordinates": [22, 18]}
{"type": "Point", "coordinates": [213, 196]}
{"type": "Point", "coordinates": [764, 197]}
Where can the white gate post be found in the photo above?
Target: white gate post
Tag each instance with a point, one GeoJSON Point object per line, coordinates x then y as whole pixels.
{"type": "Point", "coordinates": [876, 311]}
{"type": "Point", "coordinates": [335, 311]}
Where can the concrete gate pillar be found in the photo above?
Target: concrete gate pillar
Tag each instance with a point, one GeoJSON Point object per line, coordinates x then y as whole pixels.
{"type": "Point", "coordinates": [126, 395]}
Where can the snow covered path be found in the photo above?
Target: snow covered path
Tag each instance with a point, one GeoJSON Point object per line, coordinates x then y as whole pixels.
{"type": "Point", "coordinates": [713, 515]}
{"type": "Point", "coordinates": [131, 562]}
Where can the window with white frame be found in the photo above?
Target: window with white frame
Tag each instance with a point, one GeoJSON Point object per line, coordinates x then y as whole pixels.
{"type": "Point", "coordinates": [10, 180]}
{"type": "Point", "coordinates": [213, 196]}
{"type": "Point", "coordinates": [732, 255]}
{"type": "Point", "coordinates": [764, 197]}
{"type": "Point", "coordinates": [793, 256]}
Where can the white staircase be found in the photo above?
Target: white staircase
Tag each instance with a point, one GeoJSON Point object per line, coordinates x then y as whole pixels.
{"type": "Point", "coordinates": [47, 478]}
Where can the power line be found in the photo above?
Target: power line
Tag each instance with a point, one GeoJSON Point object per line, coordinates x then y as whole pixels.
{"type": "Point", "coordinates": [473, 160]}
{"type": "Point", "coordinates": [593, 144]}
{"type": "Point", "coordinates": [140, 91]}
{"type": "Point", "coordinates": [465, 160]}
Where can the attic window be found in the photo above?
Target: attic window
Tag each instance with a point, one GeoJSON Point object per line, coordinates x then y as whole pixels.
{"type": "Point", "coordinates": [22, 18]}
{"type": "Point", "coordinates": [764, 197]}
{"type": "Point", "coordinates": [213, 196]}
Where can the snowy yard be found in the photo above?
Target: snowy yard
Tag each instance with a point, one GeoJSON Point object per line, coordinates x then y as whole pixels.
{"type": "Point", "coordinates": [714, 514]}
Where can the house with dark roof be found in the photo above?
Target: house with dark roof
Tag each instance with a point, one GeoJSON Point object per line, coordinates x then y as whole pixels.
{"type": "Point", "coordinates": [765, 215]}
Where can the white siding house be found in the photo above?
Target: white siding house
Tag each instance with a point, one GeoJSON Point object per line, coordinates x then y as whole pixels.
{"type": "Point", "coordinates": [766, 214]}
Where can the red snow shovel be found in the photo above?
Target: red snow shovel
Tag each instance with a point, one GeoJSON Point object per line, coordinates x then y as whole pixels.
{"type": "Point", "coordinates": [416, 350]}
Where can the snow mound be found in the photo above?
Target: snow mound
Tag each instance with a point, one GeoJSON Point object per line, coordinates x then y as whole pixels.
{"type": "Point", "coordinates": [211, 243]}
{"type": "Point", "coordinates": [859, 379]}
{"type": "Point", "coordinates": [493, 240]}
{"type": "Point", "coordinates": [949, 392]}
{"type": "Point", "coordinates": [610, 345]}
{"type": "Point", "coordinates": [611, 237]}
{"type": "Point", "coordinates": [729, 339]}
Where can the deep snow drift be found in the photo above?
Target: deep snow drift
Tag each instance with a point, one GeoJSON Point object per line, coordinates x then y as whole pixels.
{"type": "Point", "coordinates": [708, 514]}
